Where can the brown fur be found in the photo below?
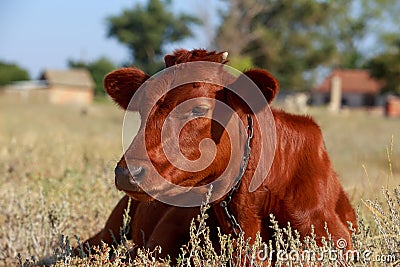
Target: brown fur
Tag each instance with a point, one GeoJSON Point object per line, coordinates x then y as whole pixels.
{"type": "Point", "coordinates": [301, 187]}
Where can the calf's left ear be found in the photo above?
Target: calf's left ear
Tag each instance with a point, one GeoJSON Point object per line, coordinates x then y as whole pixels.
{"type": "Point", "coordinates": [122, 84]}
{"type": "Point", "coordinates": [249, 97]}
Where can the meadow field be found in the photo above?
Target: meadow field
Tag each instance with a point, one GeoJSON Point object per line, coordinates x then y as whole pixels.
{"type": "Point", "coordinates": [57, 181]}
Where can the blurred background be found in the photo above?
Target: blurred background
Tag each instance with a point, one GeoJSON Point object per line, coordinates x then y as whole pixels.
{"type": "Point", "coordinates": [60, 136]}
{"type": "Point", "coordinates": [299, 42]}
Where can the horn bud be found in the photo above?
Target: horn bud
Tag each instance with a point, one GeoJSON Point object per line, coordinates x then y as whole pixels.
{"type": "Point", "coordinates": [224, 55]}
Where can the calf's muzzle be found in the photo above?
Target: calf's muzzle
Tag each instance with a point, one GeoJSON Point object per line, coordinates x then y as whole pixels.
{"type": "Point", "coordinates": [126, 178]}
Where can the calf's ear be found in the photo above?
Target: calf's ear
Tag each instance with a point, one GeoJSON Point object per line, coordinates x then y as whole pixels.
{"type": "Point", "coordinates": [253, 97]}
{"type": "Point", "coordinates": [122, 84]}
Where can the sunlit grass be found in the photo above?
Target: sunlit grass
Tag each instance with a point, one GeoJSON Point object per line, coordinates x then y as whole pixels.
{"type": "Point", "coordinates": [56, 175]}
{"type": "Point", "coordinates": [360, 145]}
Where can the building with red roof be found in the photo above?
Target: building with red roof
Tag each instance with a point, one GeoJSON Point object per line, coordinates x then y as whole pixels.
{"type": "Point", "coordinates": [358, 88]}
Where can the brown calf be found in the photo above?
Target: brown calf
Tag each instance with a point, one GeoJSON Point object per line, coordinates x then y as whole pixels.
{"type": "Point", "coordinates": [296, 182]}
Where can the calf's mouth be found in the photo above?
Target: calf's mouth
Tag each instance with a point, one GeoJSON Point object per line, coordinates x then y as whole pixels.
{"type": "Point", "coordinates": [131, 179]}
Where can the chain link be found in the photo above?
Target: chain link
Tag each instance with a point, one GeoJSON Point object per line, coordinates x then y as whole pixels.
{"type": "Point", "coordinates": [237, 229]}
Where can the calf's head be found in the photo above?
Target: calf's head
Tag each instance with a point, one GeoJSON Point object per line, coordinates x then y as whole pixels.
{"type": "Point", "coordinates": [193, 117]}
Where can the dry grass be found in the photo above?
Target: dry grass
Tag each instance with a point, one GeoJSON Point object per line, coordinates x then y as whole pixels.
{"type": "Point", "coordinates": [359, 145]}
{"type": "Point", "coordinates": [56, 175]}
{"type": "Point", "coordinates": [56, 167]}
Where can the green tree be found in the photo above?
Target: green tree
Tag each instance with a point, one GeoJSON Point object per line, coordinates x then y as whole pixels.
{"type": "Point", "coordinates": [386, 67]}
{"type": "Point", "coordinates": [10, 72]}
{"type": "Point", "coordinates": [145, 30]}
{"type": "Point", "coordinates": [294, 39]}
{"type": "Point", "coordinates": [383, 20]}
{"type": "Point", "coordinates": [98, 69]}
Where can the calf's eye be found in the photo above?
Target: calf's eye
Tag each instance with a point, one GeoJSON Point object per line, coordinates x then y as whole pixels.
{"type": "Point", "coordinates": [199, 111]}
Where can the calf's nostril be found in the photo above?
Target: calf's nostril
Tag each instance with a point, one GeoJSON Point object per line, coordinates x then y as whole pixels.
{"type": "Point", "coordinates": [136, 171]}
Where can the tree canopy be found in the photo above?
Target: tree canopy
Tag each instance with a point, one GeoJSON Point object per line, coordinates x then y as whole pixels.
{"type": "Point", "coordinates": [289, 37]}
{"type": "Point", "coordinates": [10, 72]}
{"type": "Point", "coordinates": [145, 30]}
{"type": "Point", "coordinates": [295, 39]}
{"type": "Point", "coordinates": [386, 67]}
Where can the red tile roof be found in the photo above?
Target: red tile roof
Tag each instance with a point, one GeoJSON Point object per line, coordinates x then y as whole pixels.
{"type": "Point", "coordinates": [353, 81]}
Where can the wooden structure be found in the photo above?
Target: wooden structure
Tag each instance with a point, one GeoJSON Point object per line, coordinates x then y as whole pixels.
{"type": "Point", "coordinates": [69, 86]}
{"type": "Point", "coordinates": [392, 108]}
{"type": "Point", "coordinates": [74, 86]}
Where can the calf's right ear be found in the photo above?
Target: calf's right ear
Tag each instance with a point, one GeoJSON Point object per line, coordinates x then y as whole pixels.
{"type": "Point", "coordinates": [122, 84]}
{"type": "Point", "coordinates": [253, 98]}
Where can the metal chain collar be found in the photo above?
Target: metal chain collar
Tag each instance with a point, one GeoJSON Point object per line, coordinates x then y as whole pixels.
{"type": "Point", "coordinates": [237, 229]}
